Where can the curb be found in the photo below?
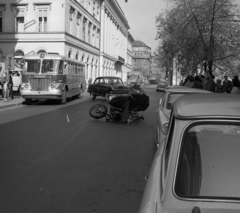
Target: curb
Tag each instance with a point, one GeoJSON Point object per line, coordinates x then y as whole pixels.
{"type": "Point", "coordinates": [12, 105]}
{"type": "Point", "coordinates": [22, 102]}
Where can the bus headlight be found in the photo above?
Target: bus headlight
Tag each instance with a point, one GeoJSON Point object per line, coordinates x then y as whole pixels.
{"type": "Point", "coordinates": [54, 86]}
{"type": "Point", "coordinates": [24, 86]}
{"type": "Point", "coordinates": [165, 128]}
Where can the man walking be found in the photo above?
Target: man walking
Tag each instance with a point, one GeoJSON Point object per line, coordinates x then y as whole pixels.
{"type": "Point", "coordinates": [227, 85]}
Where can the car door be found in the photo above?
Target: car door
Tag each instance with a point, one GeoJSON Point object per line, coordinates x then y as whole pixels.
{"type": "Point", "coordinates": [17, 80]}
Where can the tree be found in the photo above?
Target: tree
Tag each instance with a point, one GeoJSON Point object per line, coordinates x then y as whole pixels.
{"type": "Point", "coordinates": [190, 27]}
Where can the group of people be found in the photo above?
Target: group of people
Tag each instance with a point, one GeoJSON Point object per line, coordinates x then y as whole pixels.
{"type": "Point", "coordinates": [207, 82]}
{"type": "Point", "coordinates": [7, 86]}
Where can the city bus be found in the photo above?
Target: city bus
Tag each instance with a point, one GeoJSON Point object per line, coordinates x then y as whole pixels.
{"type": "Point", "coordinates": [52, 76]}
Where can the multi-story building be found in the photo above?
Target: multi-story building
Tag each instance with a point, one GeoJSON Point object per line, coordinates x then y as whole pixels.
{"type": "Point", "coordinates": [114, 40]}
{"type": "Point", "coordinates": [141, 57]}
{"type": "Point", "coordinates": [92, 31]}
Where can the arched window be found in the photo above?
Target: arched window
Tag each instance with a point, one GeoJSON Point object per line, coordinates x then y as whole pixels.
{"type": "Point", "coordinates": [83, 57]}
{"type": "Point", "coordinates": [18, 56]}
{"type": "Point", "coordinates": [41, 51]}
{"type": "Point", "coordinates": [69, 53]}
{"type": "Point", "coordinates": [77, 55]}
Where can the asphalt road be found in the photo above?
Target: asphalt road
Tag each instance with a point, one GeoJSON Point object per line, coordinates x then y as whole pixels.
{"type": "Point", "coordinates": [56, 158]}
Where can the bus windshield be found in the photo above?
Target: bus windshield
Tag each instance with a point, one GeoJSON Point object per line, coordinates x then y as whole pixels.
{"type": "Point", "coordinates": [32, 66]}
{"type": "Point", "coordinates": [49, 65]}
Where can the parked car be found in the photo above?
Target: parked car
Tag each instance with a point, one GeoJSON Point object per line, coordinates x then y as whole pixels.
{"type": "Point", "coordinates": [17, 79]}
{"type": "Point", "coordinates": [162, 84]}
{"type": "Point", "coordinates": [196, 168]}
{"type": "Point", "coordinates": [165, 105]}
{"type": "Point", "coordinates": [104, 85]}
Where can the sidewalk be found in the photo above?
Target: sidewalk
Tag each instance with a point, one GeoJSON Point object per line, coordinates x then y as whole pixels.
{"type": "Point", "coordinates": [21, 101]}
{"type": "Point", "coordinates": [11, 103]}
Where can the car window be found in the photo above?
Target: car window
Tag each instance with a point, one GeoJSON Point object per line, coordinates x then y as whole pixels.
{"type": "Point", "coordinates": [49, 65]}
{"type": "Point", "coordinates": [172, 98]}
{"type": "Point", "coordinates": [117, 81]}
{"type": "Point", "coordinates": [32, 66]}
{"type": "Point", "coordinates": [108, 81]}
{"type": "Point", "coordinates": [163, 99]}
{"type": "Point", "coordinates": [208, 165]}
{"type": "Point", "coordinates": [15, 74]}
{"type": "Point", "coordinates": [99, 81]}
{"type": "Point", "coordinates": [169, 142]}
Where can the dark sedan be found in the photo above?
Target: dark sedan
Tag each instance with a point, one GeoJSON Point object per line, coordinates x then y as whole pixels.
{"type": "Point", "coordinates": [104, 85]}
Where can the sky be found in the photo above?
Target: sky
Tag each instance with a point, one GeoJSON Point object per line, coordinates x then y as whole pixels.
{"type": "Point", "coordinates": [141, 16]}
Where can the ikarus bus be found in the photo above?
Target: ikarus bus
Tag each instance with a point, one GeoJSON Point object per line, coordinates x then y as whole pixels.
{"type": "Point", "coordinates": [52, 76]}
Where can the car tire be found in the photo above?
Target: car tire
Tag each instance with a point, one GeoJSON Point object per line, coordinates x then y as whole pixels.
{"type": "Point", "coordinates": [64, 97]}
{"type": "Point", "coordinates": [28, 101]}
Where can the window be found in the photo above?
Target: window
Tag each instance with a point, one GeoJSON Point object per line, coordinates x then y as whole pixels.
{"type": "Point", "coordinates": [84, 29]}
{"type": "Point", "coordinates": [97, 38]}
{"type": "Point", "coordinates": [18, 57]}
{"type": "Point", "coordinates": [32, 66]}
{"type": "Point", "coordinates": [78, 25]}
{"type": "Point", "coordinates": [49, 65]}
{"type": "Point", "coordinates": [61, 67]}
{"type": "Point", "coordinates": [71, 13]}
{"type": "Point", "coordinates": [69, 53]}
{"type": "Point", "coordinates": [20, 13]}
{"type": "Point", "coordinates": [41, 51]}
{"type": "Point", "coordinates": [42, 20]}
{"type": "Point", "coordinates": [76, 57]}
{"type": "Point", "coordinates": [89, 32]}
{"type": "Point", "coordinates": [93, 36]}
{"type": "Point", "coordinates": [207, 165]}
{"type": "Point", "coordinates": [1, 20]}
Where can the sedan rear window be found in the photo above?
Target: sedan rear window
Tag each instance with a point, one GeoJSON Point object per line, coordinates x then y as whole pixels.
{"type": "Point", "coordinates": [208, 165]}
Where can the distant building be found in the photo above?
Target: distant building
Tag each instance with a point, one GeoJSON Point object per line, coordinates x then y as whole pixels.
{"type": "Point", "coordinates": [95, 32]}
{"type": "Point", "coordinates": [141, 57]}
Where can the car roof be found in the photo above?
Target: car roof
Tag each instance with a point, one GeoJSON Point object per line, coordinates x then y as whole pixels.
{"type": "Point", "coordinates": [215, 105]}
{"type": "Point", "coordinates": [182, 89]}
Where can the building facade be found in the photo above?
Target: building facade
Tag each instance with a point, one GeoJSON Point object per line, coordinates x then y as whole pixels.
{"type": "Point", "coordinates": [141, 57]}
{"type": "Point", "coordinates": [95, 32]}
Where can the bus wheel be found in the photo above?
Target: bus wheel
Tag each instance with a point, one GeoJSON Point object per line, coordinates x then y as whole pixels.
{"type": "Point", "coordinates": [28, 101]}
{"type": "Point", "coordinates": [93, 96]}
{"type": "Point", "coordinates": [64, 97]}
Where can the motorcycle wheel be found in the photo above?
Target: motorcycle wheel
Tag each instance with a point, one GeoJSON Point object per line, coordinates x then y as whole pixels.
{"type": "Point", "coordinates": [98, 111]}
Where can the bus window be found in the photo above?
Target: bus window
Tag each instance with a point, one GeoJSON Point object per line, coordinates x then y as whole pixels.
{"type": "Point", "coordinates": [60, 70]}
{"type": "Point", "coordinates": [49, 65]}
{"type": "Point", "coordinates": [32, 66]}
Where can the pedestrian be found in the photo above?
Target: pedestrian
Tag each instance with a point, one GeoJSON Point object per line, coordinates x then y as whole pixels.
{"type": "Point", "coordinates": [10, 86]}
{"type": "Point", "coordinates": [209, 83]}
{"type": "Point", "coordinates": [227, 85]}
{"type": "Point", "coordinates": [236, 86]}
{"type": "Point", "coordinates": [198, 82]}
{"type": "Point", "coordinates": [190, 82]}
{"type": "Point", "coordinates": [219, 86]}
{"type": "Point", "coordinates": [4, 85]}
